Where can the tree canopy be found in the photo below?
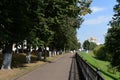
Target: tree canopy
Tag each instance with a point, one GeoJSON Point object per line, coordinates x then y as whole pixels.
{"type": "Point", "coordinates": [86, 45]}
{"type": "Point", "coordinates": [51, 23]}
{"type": "Point", "coordinates": [43, 20]}
{"type": "Point", "coordinates": [112, 38]}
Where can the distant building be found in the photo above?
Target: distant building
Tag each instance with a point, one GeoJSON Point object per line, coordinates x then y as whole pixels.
{"type": "Point", "coordinates": [92, 39]}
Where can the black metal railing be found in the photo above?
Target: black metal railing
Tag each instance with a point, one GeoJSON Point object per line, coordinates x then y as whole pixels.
{"type": "Point", "coordinates": [88, 72]}
{"type": "Point", "coordinates": [74, 74]}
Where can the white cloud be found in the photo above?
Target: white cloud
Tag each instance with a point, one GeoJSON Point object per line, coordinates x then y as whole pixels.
{"type": "Point", "coordinates": [98, 20]}
{"type": "Point", "coordinates": [97, 9]}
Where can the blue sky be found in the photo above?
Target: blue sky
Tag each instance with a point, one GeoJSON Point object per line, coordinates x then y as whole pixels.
{"type": "Point", "coordinates": [96, 23]}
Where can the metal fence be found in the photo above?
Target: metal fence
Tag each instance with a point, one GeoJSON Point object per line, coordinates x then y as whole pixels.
{"type": "Point", "coordinates": [88, 72]}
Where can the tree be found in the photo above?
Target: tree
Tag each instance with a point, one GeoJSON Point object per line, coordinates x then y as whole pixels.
{"type": "Point", "coordinates": [79, 45]}
{"type": "Point", "coordinates": [64, 18]}
{"type": "Point", "coordinates": [40, 22]}
{"type": "Point", "coordinates": [112, 38]}
{"type": "Point", "coordinates": [100, 52]}
{"type": "Point", "coordinates": [86, 45]}
{"type": "Point", "coordinates": [92, 45]}
{"type": "Point", "coordinates": [16, 22]}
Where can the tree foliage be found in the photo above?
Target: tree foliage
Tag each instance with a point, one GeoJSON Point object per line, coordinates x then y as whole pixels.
{"type": "Point", "coordinates": [47, 20]}
{"type": "Point", "coordinates": [17, 20]}
{"type": "Point", "coordinates": [42, 22]}
{"type": "Point", "coordinates": [101, 53]}
{"type": "Point", "coordinates": [92, 45]}
{"type": "Point", "coordinates": [112, 38]}
{"type": "Point", "coordinates": [86, 45]}
{"type": "Point", "coordinates": [63, 20]}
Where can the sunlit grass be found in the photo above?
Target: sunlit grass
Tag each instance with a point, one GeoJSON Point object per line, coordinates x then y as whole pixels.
{"type": "Point", "coordinates": [102, 65]}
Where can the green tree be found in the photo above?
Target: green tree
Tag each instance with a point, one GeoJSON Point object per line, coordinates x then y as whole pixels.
{"type": "Point", "coordinates": [46, 22]}
{"type": "Point", "coordinates": [16, 22]}
{"type": "Point", "coordinates": [92, 45]}
{"type": "Point", "coordinates": [65, 20]}
{"type": "Point", "coordinates": [86, 45]}
{"type": "Point", "coordinates": [112, 39]}
{"type": "Point", "coordinates": [101, 53]}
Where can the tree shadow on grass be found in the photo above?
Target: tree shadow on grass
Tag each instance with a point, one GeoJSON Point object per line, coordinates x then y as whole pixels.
{"type": "Point", "coordinates": [19, 60]}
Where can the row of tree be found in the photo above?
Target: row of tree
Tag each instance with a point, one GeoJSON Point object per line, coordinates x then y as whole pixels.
{"type": "Point", "coordinates": [50, 23]}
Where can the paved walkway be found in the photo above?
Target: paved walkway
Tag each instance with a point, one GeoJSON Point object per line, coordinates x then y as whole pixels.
{"type": "Point", "coordinates": [56, 70]}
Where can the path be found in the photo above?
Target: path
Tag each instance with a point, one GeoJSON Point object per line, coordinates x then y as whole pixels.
{"type": "Point", "coordinates": [56, 70]}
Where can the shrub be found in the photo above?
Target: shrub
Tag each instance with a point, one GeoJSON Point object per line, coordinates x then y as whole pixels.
{"type": "Point", "coordinates": [100, 52]}
{"type": "Point", "coordinates": [92, 45]}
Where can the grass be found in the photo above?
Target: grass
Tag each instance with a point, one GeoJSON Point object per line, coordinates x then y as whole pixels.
{"type": "Point", "coordinates": [19, 67]}
{"type": "Point", "coordinates": [102, 65]}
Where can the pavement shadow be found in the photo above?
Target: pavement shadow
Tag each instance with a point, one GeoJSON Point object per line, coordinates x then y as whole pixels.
{"type": "Point", "coordinates": [75, 71]}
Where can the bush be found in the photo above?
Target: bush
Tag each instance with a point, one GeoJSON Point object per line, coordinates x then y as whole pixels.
{"type": "Point", "coordinates": [92, 45]}
{"type": "Point", "coordinates": [100, 52]}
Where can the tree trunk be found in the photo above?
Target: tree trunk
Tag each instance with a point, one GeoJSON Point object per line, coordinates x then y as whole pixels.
{"type": "Point", "coordinates": [7, 57]}
{"type": "Point", "coordinates": [39, 55]}
{"type": "Point", "coordinates": [28, 56]}
{"type": "Point", "coordinates": [45, 52]}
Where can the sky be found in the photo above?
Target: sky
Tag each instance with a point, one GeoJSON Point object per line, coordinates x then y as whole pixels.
{"type": "Point", "coordinates": [96, 24]}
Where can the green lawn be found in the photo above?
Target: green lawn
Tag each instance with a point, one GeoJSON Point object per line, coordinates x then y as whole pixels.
{"type": "Point", "coordinates": [106, 72]}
